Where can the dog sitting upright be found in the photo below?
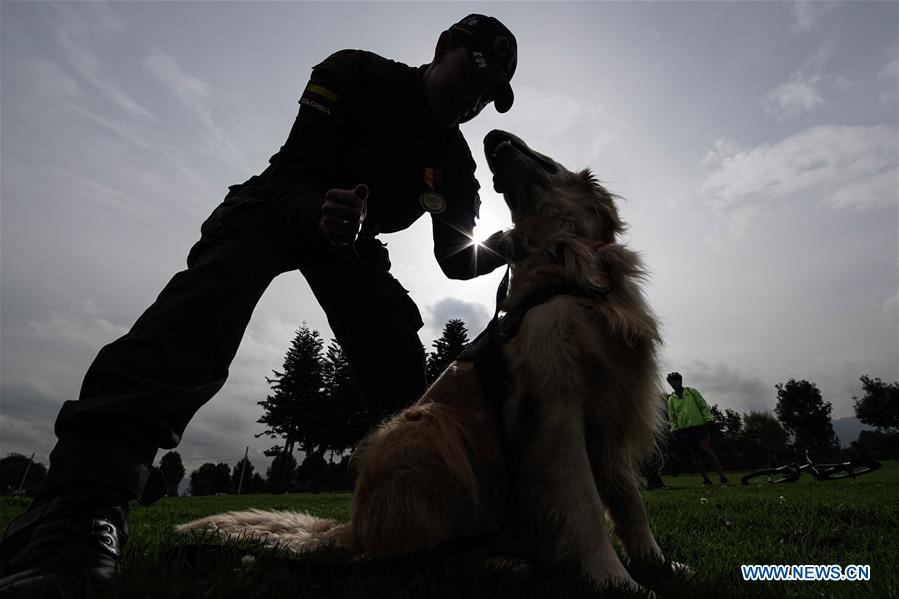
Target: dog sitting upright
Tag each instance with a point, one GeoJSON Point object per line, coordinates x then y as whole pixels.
{"type": "Point", "coordinates": [542, 465]}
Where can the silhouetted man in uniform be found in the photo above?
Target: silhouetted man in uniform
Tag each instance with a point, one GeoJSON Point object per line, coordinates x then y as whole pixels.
{"type": "Point", "coordinates": [375, 145]}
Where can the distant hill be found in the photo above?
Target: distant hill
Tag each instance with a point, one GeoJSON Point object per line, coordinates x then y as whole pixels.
{"type": "Point", "coordinates": [848, 428]}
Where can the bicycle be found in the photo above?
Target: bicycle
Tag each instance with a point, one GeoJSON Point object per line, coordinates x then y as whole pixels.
{"type": "Point", "coordinates": [790, 473]}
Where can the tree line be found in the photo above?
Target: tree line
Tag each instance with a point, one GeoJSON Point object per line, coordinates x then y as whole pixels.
{"type": "Point", "coordinates": [801, 423]}
{"type": "Point", "coordinates": [317, 406]}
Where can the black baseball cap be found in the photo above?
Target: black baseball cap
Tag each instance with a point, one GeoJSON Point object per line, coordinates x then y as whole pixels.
{"type": "Point", "coordinates": [492, 47]}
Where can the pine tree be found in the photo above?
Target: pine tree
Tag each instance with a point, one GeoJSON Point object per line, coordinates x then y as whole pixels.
{"type": "Point", "coordinates": [172, 472]}
{"type": "Point", "coordinates": [447, 348]}
{"type": "Point", "coordinates": [716, 426]}
{"type": "Point", "coordinates": [210, 479]}
{"type": "Point", "coordinates": [733, 424]}
{"type": "Point", "coordinates": [257, 484]}
{"type": "Point", "coordinates": [280, 473]}
{"type": "Point", "coordinates": [13, 467]}
{"type": "Point", "coordinates": [345, 394]}
{"type": "Point", "coordinates": [247, 476]}
{"type": "Point", "coordinates": [293, 412]}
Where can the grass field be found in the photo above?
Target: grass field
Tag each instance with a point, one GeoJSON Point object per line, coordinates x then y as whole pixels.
{"type": "Point", "coordinates": [715, 530]}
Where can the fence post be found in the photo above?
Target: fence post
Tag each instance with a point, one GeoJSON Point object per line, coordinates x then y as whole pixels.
{"type": "Point", "coordinates": [27, 470]}
{"type": "Point", "coordinates": [243, 467]}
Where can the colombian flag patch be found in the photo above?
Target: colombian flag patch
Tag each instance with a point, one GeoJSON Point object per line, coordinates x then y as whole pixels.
{"type": "Point", "coordinates": [318, 97]}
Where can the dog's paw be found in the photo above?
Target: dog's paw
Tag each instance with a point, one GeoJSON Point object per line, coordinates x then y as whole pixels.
{"type": "Point", "coordinates": [682, 569]}
{"type": "Point", "coordinates": [511, 565]}
{"type": "Point", "coordinates": [635, 587]}
{"type": "Point", "coordinates": [622, 583]}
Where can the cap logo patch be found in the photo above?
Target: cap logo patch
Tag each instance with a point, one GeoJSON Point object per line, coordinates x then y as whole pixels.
{"type": "Point", "coordinates": [479, 59]}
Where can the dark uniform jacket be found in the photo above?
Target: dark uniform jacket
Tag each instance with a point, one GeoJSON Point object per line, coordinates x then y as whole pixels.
{"type": "Point", "coordinates": [364, 119]}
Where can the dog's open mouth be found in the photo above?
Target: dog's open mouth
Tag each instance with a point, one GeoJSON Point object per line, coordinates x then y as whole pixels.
{"type": "Point", "coordinates": [500, 148]}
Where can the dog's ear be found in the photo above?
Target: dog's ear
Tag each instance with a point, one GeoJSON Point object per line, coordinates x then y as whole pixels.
{"type": "Point", "coordinates": [583, 265]}
{"type": "Point", "coordinates": [606, 213]}
{"type": "Point", "coordinates": [515, 246]}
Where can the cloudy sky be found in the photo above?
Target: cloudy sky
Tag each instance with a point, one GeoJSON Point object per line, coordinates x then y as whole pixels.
{"type": "Point", "coordinates": [755, 145]}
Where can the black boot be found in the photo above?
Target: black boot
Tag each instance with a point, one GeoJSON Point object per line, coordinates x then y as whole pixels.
{"type": "Point", "coordinates": [69, 541]}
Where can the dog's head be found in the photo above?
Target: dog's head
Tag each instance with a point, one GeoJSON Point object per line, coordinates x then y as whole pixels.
{"type": "Point", "coordinates": [546, 198]}
{"type": "Point", "coordinates": [562, 218]}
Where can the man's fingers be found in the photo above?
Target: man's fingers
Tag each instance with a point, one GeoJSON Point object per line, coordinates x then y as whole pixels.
{"type": "Point", "coordinates": [346, 197]}
{"type": "Point", "coordinates": [339, 231]}
{"type": "Point", "coordinates": [339, 225]}
{"type": "Point", "coordinates": [341, 212]}
{"type": "Point", "coordinates": [362, 193]}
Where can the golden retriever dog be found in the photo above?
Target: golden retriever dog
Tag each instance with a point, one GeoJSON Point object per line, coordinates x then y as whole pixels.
{"type": "Point", "coordinates": [544, 465]}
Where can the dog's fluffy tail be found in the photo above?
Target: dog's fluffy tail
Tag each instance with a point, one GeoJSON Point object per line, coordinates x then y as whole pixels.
{"type": "Point", "coordinates": [298, 532]}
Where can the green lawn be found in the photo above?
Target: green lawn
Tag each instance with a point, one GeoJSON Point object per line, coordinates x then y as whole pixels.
{"type": "Point", "coordinates": [715, 530]}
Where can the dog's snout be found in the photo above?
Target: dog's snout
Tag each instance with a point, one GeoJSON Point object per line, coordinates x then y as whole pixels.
{"type": "Point", "coordinates": [493, 139]}
{"type": "Point", "coordinates": [496, 137]}
{"type": "Point", "coordinates": [545, 162]}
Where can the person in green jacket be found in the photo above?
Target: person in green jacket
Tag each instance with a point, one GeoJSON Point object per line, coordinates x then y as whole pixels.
{"type": "Point", "coordinates": [689, 415]}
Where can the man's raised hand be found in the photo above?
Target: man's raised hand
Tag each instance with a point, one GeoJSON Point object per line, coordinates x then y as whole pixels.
{"type": "Point", "coordinates": [342, 214]}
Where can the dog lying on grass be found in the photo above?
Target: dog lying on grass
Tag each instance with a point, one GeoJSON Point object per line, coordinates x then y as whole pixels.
{"type": "Point", "coordinates": [538, 474]}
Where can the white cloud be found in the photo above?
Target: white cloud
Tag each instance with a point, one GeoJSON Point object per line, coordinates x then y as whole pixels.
{"type": "Point", "coordinates": [83, 40]}
{"type": "Point", "coordinates": [839, 165]}
{"type": "Point", "coordinates": [741, 221]}
{"type": "Point", "coordinates": [128, 130]}
{"type": "Point", "coordinates": [891, 312]}
{"type": "Point", "coordinates": [43, 86]}
{"type": "Point", "coordinates": [842, 83]}
{"type": "Point", "coordinates": [94, 193]}
{"type": "Point", "coordinates": [29, 409]}
{"type": "Point", "coordinates": [868, 192]}
{"type": "Point", "coordinates": [79, 325]}
{"type": "Point", "coordinates": [579, 124]}
{"type": "Point", "coordinates": [726, 386]}
{"type": "Point", "coordinates": [891, 69]}
{"type": "Point", "coordinates": [888, 75]}
{"type": "Point", "coordinates": [552, 111]}
{"type": "Point", "coordinates": [793, 97]}
{"type": "Point", "coordinates": [807, 14]}
{"type": "Point", "coordinates": [42, 80]}
{"type": "Point", "coordinates": [475, 315]}
{"type": "Point", "coordinates": [193, 92]}
{"type": "Point", "coordinates": [721, 150]}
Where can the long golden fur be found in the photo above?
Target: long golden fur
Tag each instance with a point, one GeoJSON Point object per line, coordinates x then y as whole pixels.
{"type": "Point", "coordinates": [583, 410]}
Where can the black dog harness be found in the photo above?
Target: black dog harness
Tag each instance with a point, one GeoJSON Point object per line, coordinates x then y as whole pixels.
{"type": "Point", "coordinates": [486, 351]}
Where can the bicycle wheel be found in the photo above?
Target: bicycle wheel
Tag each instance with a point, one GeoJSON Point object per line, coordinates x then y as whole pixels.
{"type": "Point", "coordinates": [851, 471]}
{"type": "Point", "coordinates": [784, 474]}
{"type": "Point", "coordinates": [835, 474]}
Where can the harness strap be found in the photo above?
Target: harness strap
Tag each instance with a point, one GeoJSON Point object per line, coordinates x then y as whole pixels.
{"type": "Point", "coordinates": [486, 355]}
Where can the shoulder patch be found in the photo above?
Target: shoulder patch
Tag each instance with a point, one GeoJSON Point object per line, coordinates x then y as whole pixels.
{"type": "Point", "coordinates": [319, 97]}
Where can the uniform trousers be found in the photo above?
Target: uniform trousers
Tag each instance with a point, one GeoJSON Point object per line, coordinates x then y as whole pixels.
{"type": "Point", "coordinates": [142, 389]}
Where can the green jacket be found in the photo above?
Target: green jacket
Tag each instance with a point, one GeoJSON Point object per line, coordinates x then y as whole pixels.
{"type": "Point", "coordinates": [690, 410]}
